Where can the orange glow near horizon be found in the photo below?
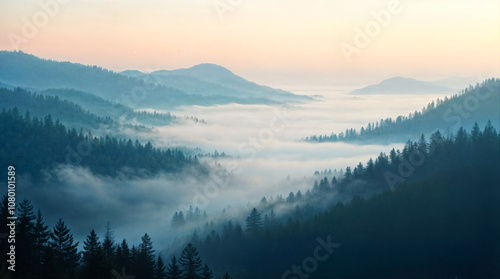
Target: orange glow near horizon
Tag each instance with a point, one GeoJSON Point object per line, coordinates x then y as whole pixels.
{"type": "Point", "coordinates": [258, 38]}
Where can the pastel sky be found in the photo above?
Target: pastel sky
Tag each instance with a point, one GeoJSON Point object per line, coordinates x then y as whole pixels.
{"type": "Point", "coordinates": [268, 41]}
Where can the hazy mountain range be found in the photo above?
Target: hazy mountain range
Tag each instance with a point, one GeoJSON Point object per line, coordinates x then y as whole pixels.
{"type": "Point", "coordinates": [403, 85]}
{"type": "Point", "coordinates": [205, 84]}
{"type": "Point", "coordinates": [372, 213]}
{"type": "Point", "coordinates": [212, 80]}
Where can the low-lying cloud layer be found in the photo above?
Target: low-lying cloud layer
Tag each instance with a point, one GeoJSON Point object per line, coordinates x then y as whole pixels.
{"type": "Point", "coordinates": [264, 147]}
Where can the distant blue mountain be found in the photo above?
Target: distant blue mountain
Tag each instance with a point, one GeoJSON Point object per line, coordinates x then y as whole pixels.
{"type": "Point", "coordinates": [402, 85]}
{"type": "Point", "coordinates": [211, 80]}
{"type": "Point", "coordinates": [159, 90]}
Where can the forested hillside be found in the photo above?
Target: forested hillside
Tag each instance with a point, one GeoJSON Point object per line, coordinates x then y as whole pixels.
{"type": "Point", "coordinates": [116, 111]}
{"type": "Point", "coordinates": [40, 105]}
{"type": "Point", "coordinates": [71, 106]}
{"type": "Point", "coordinates": [474, 104]}
{"type": "Point", "coordinates": [441, 219]}
{"type": "Point", "coordinates": [53, 144]}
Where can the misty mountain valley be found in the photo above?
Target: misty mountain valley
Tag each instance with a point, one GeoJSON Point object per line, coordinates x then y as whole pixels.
{"type": "Point", "coordinates": [243, 185]}
{"type": "Point", "coordinates": [233, 139]}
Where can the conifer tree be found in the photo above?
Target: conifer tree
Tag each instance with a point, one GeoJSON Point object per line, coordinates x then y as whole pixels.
{"type": "Point", "coordinates": [90, 245]}
{"type": "Point", "coordinates": [146, 258]}
{"type": "Point", "coordinates": [123, 258]}
{"type": "Point", "coordinates": [94, 259]}
{"type": "Point", "coordinates": [190, 262]}
{"type": "Point", "coordinates": [174, 270]}
{"type": "Point", "coordinates": [65, 251]}
{"type": "Point", "coordinates": [475, 134]}
{"type": "Point", "coordinates": [206, 273]}
{"type": "Point", "coordinates": [25, 239]}
{"type": "Point", "coordinates": [134, 260]}
{"type": "Point", "coordinates": [254, 222]}
{"type": "Point", "coordinates": [108, 244]}
{"type": "Point", "coordinates": [348, 174]}
{"type": "Point", "coordinates": [160, 271]}
{"type": "Point", "coordinates": [41, 236]}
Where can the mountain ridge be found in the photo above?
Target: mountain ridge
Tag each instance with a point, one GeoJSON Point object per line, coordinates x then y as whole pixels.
{"type": "Point", "coordinates": [443, 114]}
{"type": "Point", "coordinates": [402, 85]}
{"type": "Point", "coordinates": [209, 79]}
{"type": "Point", "coordinates": [19, 69]}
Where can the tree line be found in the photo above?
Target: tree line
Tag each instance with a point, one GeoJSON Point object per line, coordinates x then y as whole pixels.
{"type": "Point", "coordinates": [441, 221]}
{"type": "Point", "coordinates": [427, 120]}
{"type": "Point", "coordinates": [36, 144]}
{"type": "Point", "coordinates": [118, 112]}
{"type": "Point", "coordinates": [39, 105]}
{"type": "Point", "coordinates": [53, 253]}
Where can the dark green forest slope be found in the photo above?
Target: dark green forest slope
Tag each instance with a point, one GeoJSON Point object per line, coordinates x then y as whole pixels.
{"type": "Point", "coordinates": [40, 106]}
{"type": "Point", "coordinates": [438, 218]}
{"type": "Point", "coordinates": [442, 220]}
{"type": "Point", "coordinates": [79, 109]}
{"type": "Point", "coordinates": [42, 253]}
{"type": "Point", "coordinates": [35, 144]}
{"type": "Point", "coordinates": [115, 111]}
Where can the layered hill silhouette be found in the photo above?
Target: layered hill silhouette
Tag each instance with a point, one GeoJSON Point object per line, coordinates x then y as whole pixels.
{"type": "Point", "coordinates": [403, 85]}
{"type": "Point", "coordinates": [212, 80]}
{"type": "Point", "coordinates": [78, 110]}
{"type": "Point", "coordinates": [199, 85]}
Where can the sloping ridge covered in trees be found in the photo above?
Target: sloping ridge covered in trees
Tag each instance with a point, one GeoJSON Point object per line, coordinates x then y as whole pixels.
{"type": "Point", "coordinates": [474, 104]}
{"type": "Point", "coordinates": [53, 144]}
{"type": "Point", "coordinates": [41, 105]}
{"type": "Point", "coordinates": [77, 109]}
{"type": "Point", "coordinates": [438, 217]}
